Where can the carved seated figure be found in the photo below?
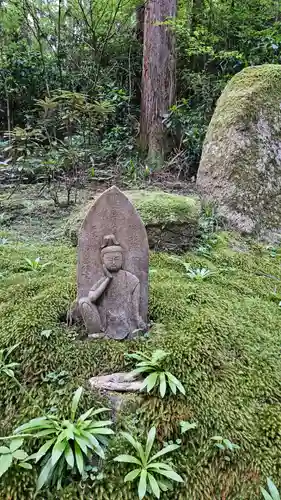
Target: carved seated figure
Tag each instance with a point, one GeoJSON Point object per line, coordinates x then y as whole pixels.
{"type": "Point", "coordinates": [112, 306]}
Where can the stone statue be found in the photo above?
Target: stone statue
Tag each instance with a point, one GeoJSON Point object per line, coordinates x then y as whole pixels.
{"type": "Point", "coordinates": [112, 269]}
{"type": "Point", "coordinates": [113, 302]}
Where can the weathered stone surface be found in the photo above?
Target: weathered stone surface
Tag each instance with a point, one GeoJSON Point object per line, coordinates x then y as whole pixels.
{"type": "Point", "coordinates": [171, 220]}
{"type": "Point", "coordinates": [112, 274]}
{"type": "Point", "coordinates": [240, 168]}
{"type": "Point", "coordinates": [119, 382]}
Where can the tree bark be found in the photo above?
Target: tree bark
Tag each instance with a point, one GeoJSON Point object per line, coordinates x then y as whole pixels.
{"type": "Point", "coordinates": [158, 76]}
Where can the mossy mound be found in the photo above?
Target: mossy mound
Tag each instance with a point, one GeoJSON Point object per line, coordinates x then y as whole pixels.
{"type": "Point", "coordinates": [240, 167]}
{"type": "Point", "coordinates": [171, 220]}
{"type": "Point", "coordinates": [223, 335]}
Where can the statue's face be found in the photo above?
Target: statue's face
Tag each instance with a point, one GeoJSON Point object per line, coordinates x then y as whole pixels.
{"type": "Point", "coordinates": [113, 260]}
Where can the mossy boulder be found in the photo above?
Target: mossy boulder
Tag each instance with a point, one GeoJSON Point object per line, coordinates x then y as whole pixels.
{"type": "Point", "coordinates": [223, 336]}
{"type": "Point", "coordinates": [171, 220]}
{"type": "Point", "coordinates": [240, 168]}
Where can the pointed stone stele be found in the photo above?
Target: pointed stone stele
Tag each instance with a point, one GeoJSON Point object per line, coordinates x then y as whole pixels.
{"type": "Point", "coordinates": [112, 273]}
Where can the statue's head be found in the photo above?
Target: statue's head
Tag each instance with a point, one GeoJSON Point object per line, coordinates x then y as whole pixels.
{"type": "Point", "coordinates": [111, 253]}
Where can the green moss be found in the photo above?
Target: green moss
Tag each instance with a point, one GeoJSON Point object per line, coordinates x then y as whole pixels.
{"type": "Point", "coordinates": [254, 90]}
{"type": "Point", "coordinates": [223, 335]}
{"type": "Point", "coordinates": [156, 208]}
{"type": "Point", "coordinates": [240, 164]}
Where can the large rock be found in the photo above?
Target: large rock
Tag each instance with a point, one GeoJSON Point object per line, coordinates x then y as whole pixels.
{"type": "Point", "coordinates": [171, 220]}
{"type": "Point", "coordinates": [240, 168]}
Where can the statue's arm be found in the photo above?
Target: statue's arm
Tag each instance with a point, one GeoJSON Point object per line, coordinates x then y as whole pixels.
{"type": "Point", "coordinates": [136, 307]}
{"type": "Point", "coordinates": [98, 289]}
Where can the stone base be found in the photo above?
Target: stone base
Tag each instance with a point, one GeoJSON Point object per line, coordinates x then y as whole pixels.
{"type": "Point", "coordinates": [119, 382]}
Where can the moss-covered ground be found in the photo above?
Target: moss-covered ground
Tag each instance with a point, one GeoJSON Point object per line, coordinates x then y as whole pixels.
{"type": "Point", "coordinates": [224, 339]}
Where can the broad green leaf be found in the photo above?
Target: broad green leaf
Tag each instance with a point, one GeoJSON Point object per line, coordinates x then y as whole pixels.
{"type": "Point", "coordinates": [171, 475]}
{"type": "Point", "coordinates": [35, 424]}
{"type": "Point", "coordinates": [100, 430]}
{"type": "Point", "coordinates": [11, 349]}
{"type": "Point", "coordinates": [187, 426]}
{"type": "Point", "coordinates": [95, 443]}
{"type": "Point", "coordinates": [75, 402]}
{"type": "Point", "coordinates": [132, 475]}
{"type": "Point", "coordinates": [220, 446]}
{"type": "Point", "coordinates": [8, 372]}
{"type": "Point", "coordinates": [69, 456]}
{"type": "Point", "coordinates": [42, 451]}
{"type": "Point", "coordinates": [5, 463]}
{"type": "Point", "coordinates": [139, 356]}
{"type": "Point", "coordinates": [101, 410]}
{"type": "Point", "coordinates": [69, 431]}
{"type": "Point", "coordinates": [44, 475]}
{"type": "Point", "coordinates": [163, 384]}
{"type": "Point", "coordinates": [101, 423]}
{"type": "Point", "coordinates": [172, 386]}
{"type": "Point", "coordinates": [165, 450]}
{"type": "Point", "coordinates": [57, 451]}
{"type": "Point", "coordinates": [85, 415]}
{"type": "Point", "coordinates": [79, 458]}
{"type": "Point", "coordinates": [142, 484]}
{"type": "Point", "coordinates": [150, 441]}
{"type": "Point", "coordinates": [25, 465]}
{"type": "Point", "coordinates": [15, 444]}
{"type": "Point", "coordinates": [176, 382]}
{"type": "Point", "coordinates": [142, 369]}
{"type": "Point", "coordinates": [266, 495]}
{"type": "Point", "coordinates": [154, 485]}
{"type": "Point", "coordinates": [83, 444]}
{"type": "Point", "coordinates": [273, 490]}
{"type": "Point", "coordinates": [4, 450]}
{"type": "Point", "coordinates": [159, 465]}
{"type": "Point", "coordinates": [149, 382]}
{"type": "Point", "coordinates": [164, 485]}
{"type": "Point", "coordinates": [127, 459]}
{"type": "Point", "coordinates": [158, 355]}
{"type": "Point", "coordinates": [91, 412]}
{"type": "Point", "coordinates": [20, 454]}
{"type": "Point", "coordinates": [228, 444]}
{"type": "Point", "coordinates": [131, 440]}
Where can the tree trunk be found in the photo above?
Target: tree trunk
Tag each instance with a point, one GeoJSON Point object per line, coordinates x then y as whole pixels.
{"type": "Point", "coordinates": [158, 76]}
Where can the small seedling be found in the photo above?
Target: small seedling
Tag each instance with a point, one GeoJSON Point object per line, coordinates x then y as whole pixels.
{"type": "Point", "coordinates": [198, 274]}
{"type": "Point", "coordinates": [13, 454]}
{"type": "Point", "coordinates": [6, 367]}
{"type": "Point", "coordinates": [4, 241]}
{"type": "Point", "coordinates": [59, 378]}
{"type": "Point", "coordinates": [150, 473]}
{"type": "Point", "coordinates": [225, 444]}
{"type": "Point", "coordinates": [157, 376]}
{"type": "Point", "coordinates": [187, 426]}
{"type": "Point", "coordinates": [35, 265]}
{"type": "Point", "coordinates": [273, 491]}
{"type": "Point", "coordinates": [46, 333]}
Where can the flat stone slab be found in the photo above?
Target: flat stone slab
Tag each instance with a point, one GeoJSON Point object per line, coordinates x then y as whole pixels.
{"type": "Point", "coordinates": [118, 382]}
{"type": "Point", "coordinates": [171, 220]}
